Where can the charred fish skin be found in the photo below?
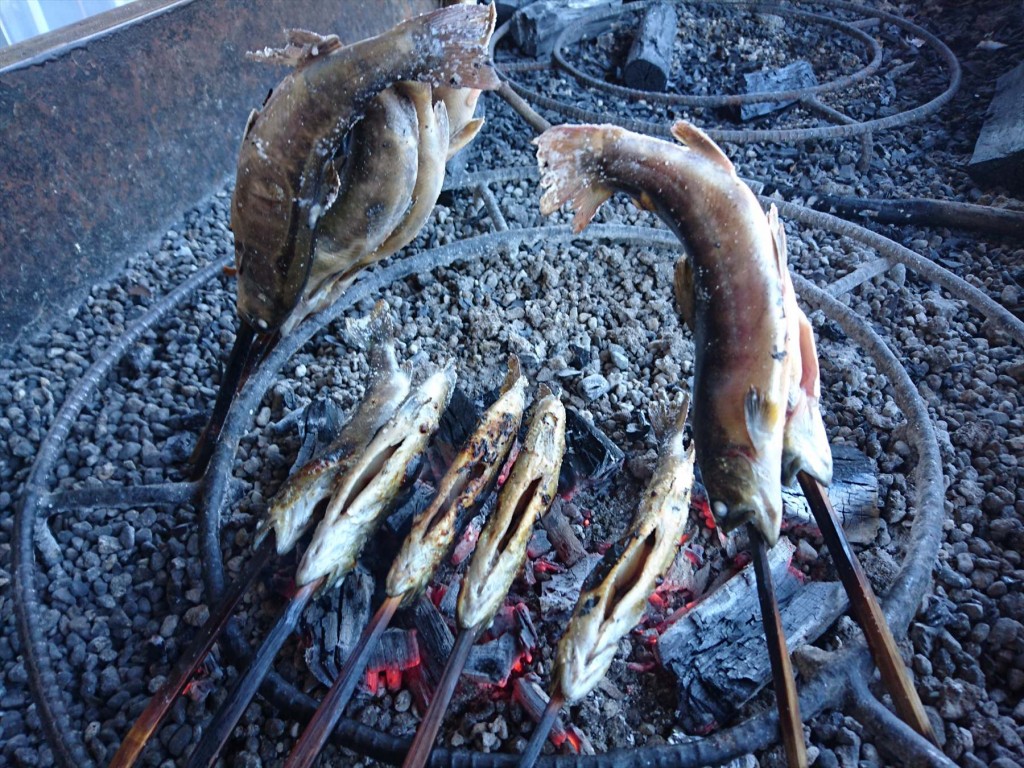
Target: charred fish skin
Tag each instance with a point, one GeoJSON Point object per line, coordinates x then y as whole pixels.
{"type": "Point", "coordinates": [362, 496]}
{"type": "Point", "coordinates": [740, 328]}
{"type": "Point", "coordinates": [614, 597]}
{"type": "Point", "coordinates": [469, 477]}
{"type": "Point", "coordinates": [528, 492]}
{"type": "Point", "coordinates": [283, 162]}
{"type": "Point", "coordinates": [291, 510]}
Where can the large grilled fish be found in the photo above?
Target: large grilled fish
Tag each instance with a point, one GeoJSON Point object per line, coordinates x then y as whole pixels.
{"type": "Point", "coordinates": [361, 497]}
{"type": "Point", "coordinates": [736, 306]}
{"type": "Point", "coordinates": [284, 166]}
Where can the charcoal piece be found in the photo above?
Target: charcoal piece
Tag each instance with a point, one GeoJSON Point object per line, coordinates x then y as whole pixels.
{"type": "Point", "coordinates": [853, 492]}
{"type": "Point", "coordinates": [999, 152]}
{"type": "Point", "coordinates": [536, 28]}
{"type": "Point", "coordinates": [334, 624]}
{"type": "Point", "coordinates": [534, 700]}
{"type": "Point", "coordinates": [649, 62]}
{"type": "Point", "coordinates": [491, 663]}
{"type": "Point", "coordinates": [457, 423]}
{"type": "Point", "coordinates": [320, 424]}
{"type": "Point", "coordinates": [799, 74]}
{"type": "Point", "coordinates": [717, 650]}
{"type": "Point", "coordinates": [435, 639]}
{"type": "Point", "coordinates": [561, 535]}
{"type": "Point", "coordinates": [559, 593]}
{"type": "Point", "coordinates": [397, 651]}
{"type": "Point", "coordinates": [415, 501]}
{"type": "Point", "coordinates": [591, 458]}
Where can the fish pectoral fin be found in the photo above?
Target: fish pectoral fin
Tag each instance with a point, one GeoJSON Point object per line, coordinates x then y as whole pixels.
{"type": "Point", "coordinates": [464, 136]}
{"type": "Point", "coordinates": [806, 447]}
{"type": "Point", "coordinates": [698, 141]}
{"type": "Point", "coordinates": [760, 414]}
{"type": "Point", "coordinates": [684, 291]}
{"type": "Point", "coordinates": [779, 239]}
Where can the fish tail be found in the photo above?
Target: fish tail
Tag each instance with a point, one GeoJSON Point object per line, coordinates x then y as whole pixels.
{"type": "Point", "coordinates": [570, 172]}
{"type": "Point", "coordinates": [462, 33]}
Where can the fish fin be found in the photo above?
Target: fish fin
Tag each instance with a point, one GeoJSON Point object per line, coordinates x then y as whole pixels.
{"type": "Point", "coordinates": [463, 32]}
{"type": "Point", "coordinates": [302, 47]}
{"type": "Point", "coordinates": [567, 173]}
{"type": "Point", "coordinates": [806, 447]}
{"type": "Point", "coordinates": [684, 291]}
{"type": "Point", "coordinates": [779, 239]}
{"type": "Point", "coordinates": [694, 138]}
{"type": "Point", "coordinates": [253, 114]}
{"type": "Point", "coordinates": [760, 414]}
{"type": "Point", "coordinates": [464, 136]}
{"type": "Point", "coordinates": [810, 375]}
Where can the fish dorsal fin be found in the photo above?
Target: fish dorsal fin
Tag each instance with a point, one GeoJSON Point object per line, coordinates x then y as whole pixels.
{"type": "Point", "coordinates": [302, 48]}
{"type": "Point", "coordinates": [778, 238]}
{"type": "Point", "coordinates": [760, 414]}
{"type": "Point", "coordinates": [698, 141]}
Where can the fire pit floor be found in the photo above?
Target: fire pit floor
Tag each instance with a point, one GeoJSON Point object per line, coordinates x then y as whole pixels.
{"type": "Point", "coordinates": [118, 546]}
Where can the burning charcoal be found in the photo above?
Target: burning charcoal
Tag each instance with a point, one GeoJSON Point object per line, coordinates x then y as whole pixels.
{"type": "Point", "coordinates": [396, 653]}
{"type": "Point", "coordinates": [799, 74]}
{"type": "Point", "coordinates": [717, 649]}
{"type": "Point", "coordinates": [435, 638]}
{"type": "Point", "coordinates": [648, 65]}
{"type": "Point", "coordinates": [853, 492]}
{"type": "Point", "coordinates": [591, 458]}
{"type": "Point", "coordinates": [533, 700]}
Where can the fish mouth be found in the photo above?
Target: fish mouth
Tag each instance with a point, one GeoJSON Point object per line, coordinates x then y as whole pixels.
{"type": "Point", "coordinates": [741, 491]}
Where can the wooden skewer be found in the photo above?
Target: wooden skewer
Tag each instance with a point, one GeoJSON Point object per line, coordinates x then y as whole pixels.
{"type": "Point", "coordinates": [867, 611]}
{"type": "Point", "coordinates": [540, 733]}
{"type": "Point", "coordinates": [333, 706]}
{"type": "Point", "coordinates": [154, 713]}
{"type": "Point", "coordinates": [419, 752]}
{"type": "Point", "coordinates": [782, 670]}
{"type": "Point", "coordinates": [217, 732]}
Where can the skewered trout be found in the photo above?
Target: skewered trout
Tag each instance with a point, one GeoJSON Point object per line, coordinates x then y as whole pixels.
{"type": "Point", "coordinates": [731, 292]}
{"type": "Point", "coordinates": [614, 597]}
{"type": "Point", "coordinates": [284, 164]}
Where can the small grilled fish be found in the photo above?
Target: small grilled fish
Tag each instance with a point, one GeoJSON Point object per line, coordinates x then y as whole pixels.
{"type": "Point", "coordinates": [291, 509]}
{"type": "Point", "coordinates": [740, 381]}
{"type": "Point", "coordinates": [528, 492]}
{"type": "Point", "coordinates": [362, 496]}
{"type": "Point", "coordinates": [467, 479]}
{"type": "Point", "coordinates": [614, 597]}
{"type": "Point", "coordinates": [284, 163]}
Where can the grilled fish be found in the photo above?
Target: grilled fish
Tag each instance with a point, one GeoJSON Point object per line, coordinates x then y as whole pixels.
{"type": "Point", "coordinates": [467, 479]}
{"type": "Point", "coordinates": [736, 307]}
{"type": "Point", "coordinates": [460, 103]}
{"type": "Point", "coordinates": [291, 509]}
{"type": "Point", "coordinates": [361, 497]}
{"type": "Point", "coordinates": [528, 492]}
{"type": "Point", "coordinates": [614, 597]}
{"type": "Point", "coordinates": [284, 164]}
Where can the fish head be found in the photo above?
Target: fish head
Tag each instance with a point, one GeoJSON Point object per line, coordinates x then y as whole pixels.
{"type": "Point", "coordinates": [742, 489]}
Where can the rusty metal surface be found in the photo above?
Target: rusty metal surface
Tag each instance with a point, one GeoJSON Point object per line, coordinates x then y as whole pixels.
{"type": "Point", "coordinates": [107, 137]}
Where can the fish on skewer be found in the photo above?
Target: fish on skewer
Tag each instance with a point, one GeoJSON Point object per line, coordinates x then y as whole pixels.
{"type": "Point", "coordinates": [290, 514]}
{"type": "Point", "coordinates": [499, 555]}
{"type": "Point", "coordinates": [360, 499]}
{"type": "Point", "coordinates": [614, 596]}
{"type": "Point", "coordinates": [466, 481]}
{"type": "Point", "coordinates": [757, 417]}
{"type": "Point", "coordinates": [287, 180]}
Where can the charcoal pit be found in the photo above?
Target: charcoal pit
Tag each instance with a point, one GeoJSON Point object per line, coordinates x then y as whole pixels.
{"type": "Point", "coordinates": [117, 556]}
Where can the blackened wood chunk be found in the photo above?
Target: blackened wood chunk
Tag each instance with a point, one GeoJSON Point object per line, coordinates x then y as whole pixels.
{"type": "Point", "coordinates": [717, 651]}
{"type": "Point", "coordinates": [591, 458]}
{"type": "Point", "coordinates": [649, 62]}
{"type": "Point", "coordinates": [321, 422]}
{"type": "Point", "coordinates": [536, 28]}
{"type": "Point", "coordinates": [799, 74]}
{"type": "Point", "coordinates": [999, 153]}
{"type": "Point", "coordinates": [435, 639]}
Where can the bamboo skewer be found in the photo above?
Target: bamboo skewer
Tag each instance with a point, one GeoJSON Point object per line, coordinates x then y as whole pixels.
{"type": "Point", "coordinates": [137, 738]}
{"type": "Point", "coordinates": [786, 697]}
{"type": "Point", "coordinates": [867, 611]}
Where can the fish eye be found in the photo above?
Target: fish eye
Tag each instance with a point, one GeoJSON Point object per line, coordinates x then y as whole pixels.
{"type": "Point", "coordinates": [719, 508]}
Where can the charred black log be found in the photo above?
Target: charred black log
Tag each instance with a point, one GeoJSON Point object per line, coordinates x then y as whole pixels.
{"type": "Point", "coordinates": [797, 75]}
{"type": "Point", "coordinates": [536, 28]}
{"type": "Point", "coordinates": [649, 63]}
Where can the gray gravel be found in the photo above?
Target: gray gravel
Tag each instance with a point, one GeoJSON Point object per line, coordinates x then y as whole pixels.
{"type": "Point", "coordinates": [122, 589]}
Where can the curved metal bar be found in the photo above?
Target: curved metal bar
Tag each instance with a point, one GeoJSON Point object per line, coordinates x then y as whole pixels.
{"type": "Point", "coordinates": [583, 27]}
{"type": "Point", "coordinates": [122, 497]}
{"type": "Point", "coordinates": [784, 135]}
{"type": "Point", "coordinates": [67, 745]}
